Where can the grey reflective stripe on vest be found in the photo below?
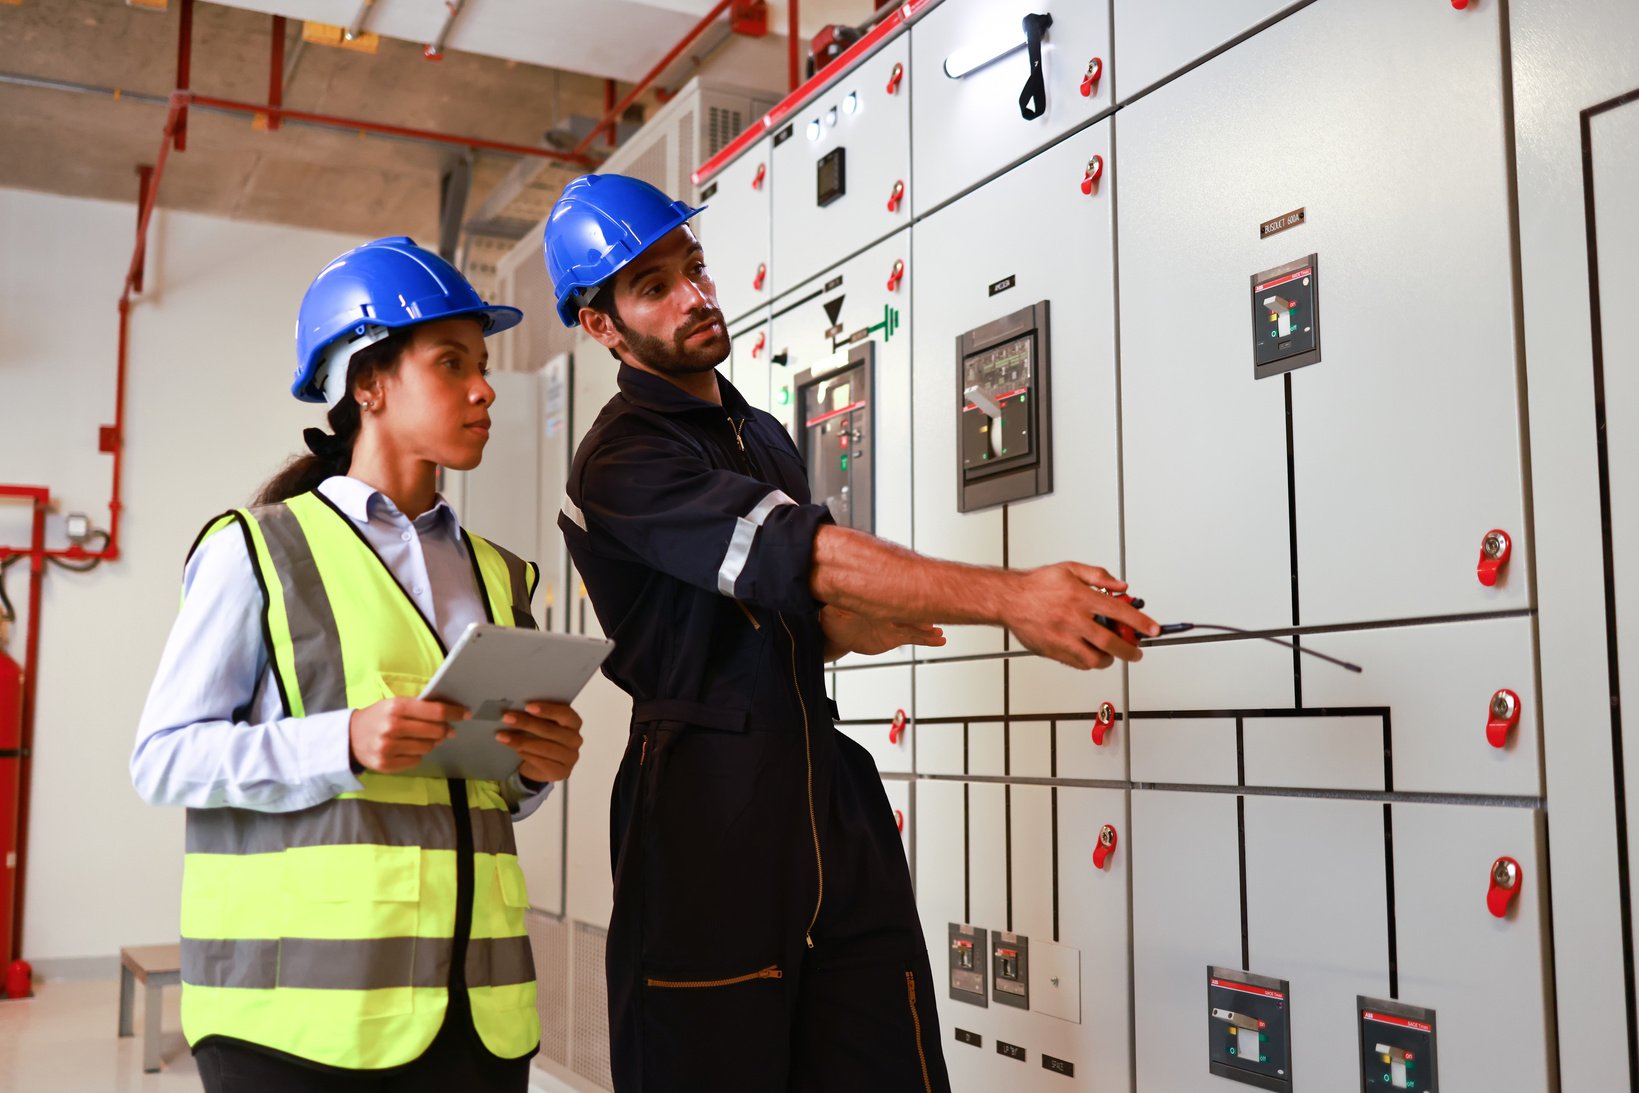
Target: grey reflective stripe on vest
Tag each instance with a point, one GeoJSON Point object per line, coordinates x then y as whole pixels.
{"type": "Point", "coordinates": [739, 547]}
{"type": "Point", "coordinates": [518, 572]}
{"type": "Point", "coordinates": [349, 821]}
{"type": "Point", "coordinates": [352, 965]}
{"type": "Point", "coordinates": [315, 639]}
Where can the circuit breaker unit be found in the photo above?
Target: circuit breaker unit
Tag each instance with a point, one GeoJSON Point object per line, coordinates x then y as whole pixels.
{"type": "Point", "coordinates": [1249, 1029]}
{"type": "Point", "coordinates": [1003, 415]}
{"type": "Point", "coordinates": [1010, 969]}
{"type": "Point", "coordinates": [1396, 1046]}
{"type": "Point", "coordinates": [1286, 317]}
{"type": "Point", "coordinates": [836, 409]}
{"type": "Point", "coordinates": [968, 946]}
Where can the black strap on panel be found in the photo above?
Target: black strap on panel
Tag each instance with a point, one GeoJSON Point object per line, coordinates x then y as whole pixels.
{"type": "Point", "coordinates": [1033, 99]}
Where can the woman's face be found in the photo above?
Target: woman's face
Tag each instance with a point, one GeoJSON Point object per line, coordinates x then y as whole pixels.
{"type": "Point", "coordinates": [435, 404]}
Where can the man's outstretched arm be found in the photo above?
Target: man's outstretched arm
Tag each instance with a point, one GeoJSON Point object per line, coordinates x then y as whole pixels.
{"type": "Point", "coordinates": [1049, 609]}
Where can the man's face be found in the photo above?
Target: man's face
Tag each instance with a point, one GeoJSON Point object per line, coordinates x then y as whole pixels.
{"type": "Point", "coordinates": [667, 316]}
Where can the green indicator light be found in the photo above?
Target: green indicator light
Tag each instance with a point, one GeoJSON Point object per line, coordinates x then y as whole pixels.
{"type": "Point", "coordinates": [1263, 1058]}
{"type": "Point", "coordinates": [785, 396]}
{"type": "Point", "coordinates": [844, 462]}
{"type": "Point", "coordinates": [1263, 1037]}
{"type": "Point", "coordinates": [1232, 1051]}
{"type": "Point", "coordinates": [1272, 334]}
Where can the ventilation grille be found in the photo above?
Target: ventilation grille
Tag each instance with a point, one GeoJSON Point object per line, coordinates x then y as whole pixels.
{"type": "Point", "coordinates": [549, 938]}
{"type": "Point", "coordinates": [591, 1018]}
{"type": "Point", "coordinates": [685, 155]}
{"type": "Point", "coordinates": [722, 126]}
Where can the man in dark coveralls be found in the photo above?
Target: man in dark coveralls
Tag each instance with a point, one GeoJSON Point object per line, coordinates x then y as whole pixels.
{"type": "Point", "coordinates": [764, 935]}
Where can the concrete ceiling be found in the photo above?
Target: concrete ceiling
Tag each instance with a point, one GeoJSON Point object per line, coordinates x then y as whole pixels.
{"type": "Point", "coordinates": [512, 70]}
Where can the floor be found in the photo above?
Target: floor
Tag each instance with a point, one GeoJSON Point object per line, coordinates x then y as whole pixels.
{"type": "Point", "coordinates": [63, 1040]}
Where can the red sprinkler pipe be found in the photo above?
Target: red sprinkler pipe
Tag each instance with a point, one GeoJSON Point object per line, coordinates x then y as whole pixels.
{"type": "Point", "coordinates": [276, 72]}
{"type": "Point", "coordinates": [611, 117]}
{"type": "Point", "coordinates": [184, 65]}
{"type": "Point", "coordinates": [41, 497]}
{"type": "Point", "coordinates": [793, 36]}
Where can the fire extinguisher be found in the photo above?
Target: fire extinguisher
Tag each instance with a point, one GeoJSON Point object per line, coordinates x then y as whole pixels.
{"type": "Point", "coordinates": [11, 761]}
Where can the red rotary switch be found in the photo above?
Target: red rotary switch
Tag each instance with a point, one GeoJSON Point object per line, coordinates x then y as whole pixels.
{"type": "Point", "coordinates": [1095, 171]}
{"type": "Point", "coordinates": [896, 197]}
{"type": "Point", "coordinates": [896, 732]}
{"type": "Point", "coordinates": [1089, 82]}
{"type": "Point", "coordinates": [1104, 723]}
{"type": "Point", "coordinates": [899, 820]}
{"type": "Point", "coordinates": [762, 340]}
{"type": "Point", "coordinates": [893, 81]}
{"type": "Point", "coordinates": [1495, 549]}
{"type": "Point", "coordinates": [762, 173]}
{"type": "Point", "coordinates": [1106, 846]}
{"type": "Point", "coordinates": [762, 275]}
{"type": "Point", "coordinates": [1505, 710]}
{"type": "Point", "coordinates": [1459, 4]}
{"type": "Point", "coordinates": [1506, 879]}
{"type": "Point", "coordinates": [897, 275]}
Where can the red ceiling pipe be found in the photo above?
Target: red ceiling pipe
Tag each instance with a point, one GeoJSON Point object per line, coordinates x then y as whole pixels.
{"type": "Point", "coordinates": [608, 105]}
{"type": "Point", "coordinates": [184, 59]}
{"type": "Point", "coordinates": [275, 76]}
{"type": "Point", "coordinates": [611, 116]}
{"type": "Point", "coordinates": [41, 497]}
{"type": "Point", "coordinates": [793, 39]}
{"type": "Point", "coordinates": [145, 177]}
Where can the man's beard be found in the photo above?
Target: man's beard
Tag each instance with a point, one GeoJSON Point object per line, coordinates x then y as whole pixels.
{"type": "Point", "coordinates": [677, 357]}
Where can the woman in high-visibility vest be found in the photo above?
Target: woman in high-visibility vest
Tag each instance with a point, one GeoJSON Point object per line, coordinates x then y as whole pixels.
{"type": "Point", "coordinates": [344, 928]}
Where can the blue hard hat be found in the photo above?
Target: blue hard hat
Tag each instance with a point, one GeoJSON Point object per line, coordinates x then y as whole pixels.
{"type": "Point", "coordinates": [383, 285]}
{"type": "Point", "coordinates": [600, 224]}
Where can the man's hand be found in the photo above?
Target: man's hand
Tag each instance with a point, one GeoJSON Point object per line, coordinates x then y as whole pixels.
{"type": "Point", "coordinates": [847, 632]}
{"type": "Point", "coordinates": [546, 735]}
{"type": "Point", "coordinates": [395, 733]}
{"type": "Point", "coordinates": [1052, 614]}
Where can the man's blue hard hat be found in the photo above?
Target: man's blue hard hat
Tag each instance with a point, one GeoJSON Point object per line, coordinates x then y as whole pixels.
{"type": "Point", "coordinates": [383, 285]}
{"type": "Point", "coordinates": [599, 225]}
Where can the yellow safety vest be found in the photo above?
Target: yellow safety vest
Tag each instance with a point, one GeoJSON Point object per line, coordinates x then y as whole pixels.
{"type": "Point", "coordinates": [329, 933]}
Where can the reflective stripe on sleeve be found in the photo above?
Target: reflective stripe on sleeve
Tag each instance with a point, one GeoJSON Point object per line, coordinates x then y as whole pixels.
{"type": "Point", "coordinates": [572, 510]}
{"type": "Point", "coordinates": [739, 547]}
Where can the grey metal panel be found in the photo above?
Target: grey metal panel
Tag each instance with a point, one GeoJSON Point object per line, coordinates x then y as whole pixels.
{"type": "Point", "coordinates": [987, 854]}
{"type": "Point", "coordinates": [940, 749]}
{"type": "Point", "coordinates": [1570, 55]}
{"type": "Point", "coordinates": [941, 863]}
{"type": "Point", "coordinates": [808, 237]}
{"type": "Point", "coordinates": [1079, 757]}
{"type": "Point", "coordinates": [1437, 682]}
{"type": "Point", "coordinates": [1317, 915]}
{"type": "Point", "coordinates": [1042, 686]}
{"type": "Point", "coordinates": [1183, 750]}
{"type": "Point", "coordinates": [1030, 819]}
{"type": "Point", "coordinates": [1314, 752]}
{"type": "Point", "coordinates": [1185, 916]}
{"type": "Point", "coordinates": [735, 231]}
{"type": "Point", "coordinates": [540, 839]}
{"type": "Point", "coordinates": [876, 694]}
{"type": "Point", "coordinates": [1478, 973]}
{"type": "Point", "coordinates": [1219, 675]}
{"type": "Point", "coordinates": [965, 128]}
{"type": "Point", "coordinates": [959, 689]}
{"type": "Point", "coordinates": [1093, 918]}
{"type": "Point", "coordinates": [1159, 37]}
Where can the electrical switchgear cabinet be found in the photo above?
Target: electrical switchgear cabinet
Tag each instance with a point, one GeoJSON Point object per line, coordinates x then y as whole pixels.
{"type": "Point", "coordinates": [735, 231]}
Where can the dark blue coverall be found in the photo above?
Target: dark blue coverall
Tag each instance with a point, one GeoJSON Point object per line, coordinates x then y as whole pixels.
{"type": "Point", "coordinates": [764, 934]}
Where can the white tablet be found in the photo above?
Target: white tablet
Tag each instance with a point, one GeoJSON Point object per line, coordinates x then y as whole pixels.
{"type": "Point", "coordinates": [493, 669]}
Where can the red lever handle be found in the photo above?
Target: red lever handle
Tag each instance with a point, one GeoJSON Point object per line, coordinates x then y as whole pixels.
{"type": "Point", "coordinates": [1089, 82]}
{"type": "Point", "coordinates": [897, 275]}
{"type": "Point", "coordinates": [1495, 550]}
{"type": "Point", "coordinates": [1459, 4]}
{"type": "Point", "coordinates": [893, 80]}
{"type": "Point", "coordinates": [897, 196]}
{"type": "Point", "coordinates": [899, 820]}
{"type": "Point", "coordinates": [762, 274]}
{"type": "Point", "coordinates": [1095, 171]}
{"type": "Point", "coordinates": [896, 732]}
{"type": "Point", "coordinates": [757, 179]}
{"type": "Point", "coordinates": [1506, 880]}
{"type": "Point", "coordinates": [1105, 848]}
{"type": "Point", "coordinates": [1103, 723]}
{"type": "Point", "coordinates": [1504, 715]}
{"type": "Point", "coordinates": [762, 340]}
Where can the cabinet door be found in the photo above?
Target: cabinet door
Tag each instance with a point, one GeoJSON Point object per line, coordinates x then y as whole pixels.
{"type": "Point", "coordinates": [748, 366]}
{"type": "Point", "coordinates": [870, 699]}
{"type": "Point", "coordinates": [734, 230]}
{"type": "Point", "coordinates": [1159, 37]}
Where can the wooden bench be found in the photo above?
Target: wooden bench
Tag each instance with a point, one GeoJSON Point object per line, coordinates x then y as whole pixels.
{"type": "Point", "coordinates": [155, 967]}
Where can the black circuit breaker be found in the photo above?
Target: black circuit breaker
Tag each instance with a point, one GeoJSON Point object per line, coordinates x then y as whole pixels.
{"type": "Point", "coordinates": [1249, 1028]}
{"type": "Point", "coordinates": [1010, 969]}
{"type": "Point", "coordinates": [836, 435]}
{"type": "Point", "coordinates": [969, 946]}
{"type": "Point", "coordinates": [1286, 317]}
{"type": "Point", "coordinates": [1003, 411]}
{"type": "Point", "coordinates": [1396, 1046]}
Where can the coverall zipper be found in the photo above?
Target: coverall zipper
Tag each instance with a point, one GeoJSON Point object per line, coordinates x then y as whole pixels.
{"type": "Point", "coordinates": [916, 1023]}
{"type": "Point", "coordinates": [771, 972]}
{"type": "Point", "coordinates": [808, 756]}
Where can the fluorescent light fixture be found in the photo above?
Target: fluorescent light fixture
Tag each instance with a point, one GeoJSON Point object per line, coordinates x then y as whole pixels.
{"type": "Point", "coordinates": [972, 58]}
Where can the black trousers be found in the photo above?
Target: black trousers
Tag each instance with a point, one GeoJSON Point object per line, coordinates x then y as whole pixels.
{"type": "Point", "coordinates": [456, 1060]}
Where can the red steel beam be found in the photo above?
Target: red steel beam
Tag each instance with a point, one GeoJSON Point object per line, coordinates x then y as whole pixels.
{"type": "Point", "coordinates": [184, 65]}
{"type": "Point", "coordinates": [793, 37]}
{"type": "Point", "coordinates": [25, 738]}
{"type": "Point", "coordinates": [611, 117]}
{"type": "Point", "coordinates": [276, 72]}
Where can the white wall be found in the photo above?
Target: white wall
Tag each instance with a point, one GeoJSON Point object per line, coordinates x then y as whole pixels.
{"type": "Point", "coordinates": [209, 417]}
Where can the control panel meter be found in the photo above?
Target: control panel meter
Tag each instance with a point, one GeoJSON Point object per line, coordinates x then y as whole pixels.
{"type": "Point", "coordinates": [836, 434]}
{"type": "Point", "coordinates": [1286, 317]}
{"type": "Point", "coordinates": [1249, 1028]}
{"type": "Point", "coordinates": [1396, 1046]}
{"type": "Point", "coordinates": [1003, 411]}
{"type": "Point", "coordinates": [968, 948]}
{"type": "Point", "coordinates": [831, 176]}
{"type": "Point", "coordinates": [1010, 969]}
